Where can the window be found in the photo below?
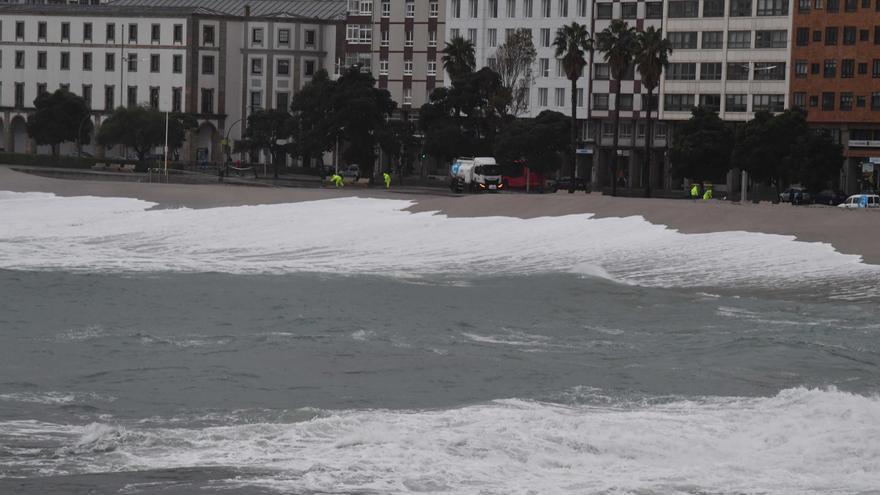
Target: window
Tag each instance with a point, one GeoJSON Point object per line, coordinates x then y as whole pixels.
{"type": "Point", "coordinates": [654, 10]}
{"type": "Point", "coordinates": [604, 10]}
{"type": "Point", "coordinates": [814, 69]}
{"type": "Point", "coordinates": [19, 30]}
{"type": "Point", "coordinates": [359, 33]}
{"type": "Point", "coordinates": [383, 67]}
{"type": "Point", "coordinates": [256, 101]}
{"type": "Point", "coordinates": [354, 7]}
{"type": "Point", "coordinates": [563, 8]}
{"type": "Point", "coordinates": [87, 34]}
{"type": "Point", "coordinates": [432, 38]}
{"type": "Point", "coordinates": [682, 39]}
{"type": "Point", "coordinates": [109, 96]}
{"type": "Point", "coordinates": [800, 99]}
{"type": "Point", "coordinates": [207, 100]}
{"type": "Point", "coordinates": [545, 37]}
{"type": "Point", "coordinates": [433, 8]}
{"type": "Point", "coordinates": [385, 39]}
{"type": "Point", "coordinates": [493, 8]}
{"type": "Point", "coordinates": [109, 62]}
{"type": "Point", "coordinates": [154, 97]}
{"type": "Point", "coordinates": [713, 40]}
{"type": "Point", "coordinates": [800, 69]}
{"type": "Point", "coordinates": [769, 103]}
{"type": "Point", "coordinates": [830, 70]}
{"type": "Point", "coordinates": [849, 35]}
{"type": "Point", "coordinates": [875, 69]}
{"type": "Point", "coordinates": [19, 95]}
{"type": "Point", "coordinates": [678, 102]}
{"type": "Point", "coordinates": [678, 71]}
{"type": "Point", "coordinates": [545, 8]}
{"type": "Point", "coordinates": [41, 30]}
{"type": "Point", "coordinates": [711, 102]}
{"type": "Point", "coordinates": [432, 68]}
{"type": "Point", "coordinates": [256, 66]}
{"type": "Point", "coordinates": [366, 7]}
{"type": "Point", "coordinates": [41, 88]}
{"type": "Point", "coordinates": [772, 7]}
{"type": "Point", "coordinates": [154, 62]}
{"type": "Point", "coordinates": [257, 36]}
{"type": "Point", "coordinates": [803, 36]}
{"type": "Point", "coordinates": [737, 71]}
{"type": "Point", "coordinates": [625, 102]}
{"type": "Point", "coordinates": [132, 60]}
{"type": "Point", "coordinates": [155, 33]}
{"type": "Point", "coordinates": [739, 39]}
{"type": "Point", "coordinates": [408, 37]}
{"type": "Point", "coordinates": [87, 61]}
{"type": "Point", "coordinates": [847, 68]}
{"type": "Point", "coordinates": [582, 8]}
{"type": "Point", "coordinates": [492, 37]}
{"type": "Point", "coordinates": [850, 5]}
{"type": "Point", "coordinates": [628, 10]}
{"type": "Point", "coordinates": [814, 101]}
{"type": "Point", "coordinates": [740, 8]}
{"type": "Point", "coordinates": [600, 101]}
{"type": "Point", "coordinates": [817, 36]}
{"type": "Point", "coordinates": [580, 97]}
{"type": "Point", "coordinates": [453, 33]}
{"type": "Point", "coordinates": [626, 130]}
{"type": "Point", "coordinates": [560, 97]}
{"type": "Point", "coordinates": [65, 31]}
{"type": "Point", "coordinates": [683, 8]}
{"type": "Point", "coordinates": [877, 34]}
{"type": "Point", "coordinates": [311, 38]}
{"type": "Point", "coordinates": [864, 35]}
{"type": "Point", "coordinates": [771, 39]}
{"type": "Point", "coordinates": [527, 8]}
{"type": "Point", "coordinates": [473, 10]}
{"type": "Point", "coordinates": [863, 68]}
{"type": "Point", "coordinates": [875, 100]}
{"type": "Point", "coordinates": [407, 96]}
{"type": "Point", "coordinates": [827, 101]}
{"type": "Point", "coordinates": [607, 129]}
{"type": "Point", "coordinates": [282, 67]}
{"type": "Point", "coordinates": [309, 68]}
{"type": "Point", "coordinates": [602, 72]}
{"type": "Point", "coordinates": [710, 71]}
{"type": "Point", "coordinates": [804, 6]}
{"type": "Point", "coordinates": [407, 67]}
{"type": "Point", "coordinates": [19, 59]}
{"type": "Point", "coordinates": [735, 103]}
{"type": "Point", "coordinates": [542, 97]}
{"type": "Point", "coordinates": [544, 67]}
{"type": "Point", "coordinates": [410, 8]}
{"type": "Point", "coordinates": [282, 100]}
{"type": "Point", "coordinates": [455, 7]}
{"type": "Point", "coordinates": [770, 71]}
{"type": "Point", "coordinates": [846, 101]}
{"type": "Point", "coordinates": [713, 8]}
{"type": "Point", "coordinates": [560, 69]}
{"type": "Point", "coordinates": [831, 36]}
{"type": "Point", "coordinates": [132, 33]}
{"type": "Point", "coordinates": [41, 60]}
{"type": "Point", "coordinates": [178, 33]}
{"type": "Point", "coordinates": [132, 96]}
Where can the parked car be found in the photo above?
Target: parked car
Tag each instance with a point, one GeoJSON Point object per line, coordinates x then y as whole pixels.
{"type": "Point", "coordinates": [829, 197]}
{"type": "Point", "coordinates": [565, 183]}
{"type": "Point", "coordinates": [351, 171]}
{"type": "Point", "coordinates": [861, 201]}
{"type": "Point", "coordinates": [788, 195]}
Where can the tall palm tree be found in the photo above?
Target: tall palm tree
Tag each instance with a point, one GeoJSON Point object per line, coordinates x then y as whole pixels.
{"type": "Point", "coordinates": [652, 56]}
{"type": "Point", "coordinates": [618, 44]}
{"type": "Point", "coordinates": [571, 43]}
{"type": "Point", "coordinates": [458, 57]}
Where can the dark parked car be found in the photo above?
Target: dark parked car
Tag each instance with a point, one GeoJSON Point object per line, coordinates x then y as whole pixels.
{"type": "Point", "coordinates": [788, 195]}
{"type": "Point", "coordinates": [829, 197]}
{"type": "Point", "coordinates": [565, 184]}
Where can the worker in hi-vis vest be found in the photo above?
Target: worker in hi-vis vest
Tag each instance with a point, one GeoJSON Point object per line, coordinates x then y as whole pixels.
{"type": "Point", "coordinates": [337, 179]}
{"type": "Point", "coordinates": [695, 192]}
{"type": "Point", "coordinates": [387, 178]}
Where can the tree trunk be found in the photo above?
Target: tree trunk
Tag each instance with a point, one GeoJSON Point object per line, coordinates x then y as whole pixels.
{"type": "Point", "coordinates": [614, 141]}
{"type": "Point", "coordinates": [572, 184]}
{"type": "Point", "coordinates": [648, 142]}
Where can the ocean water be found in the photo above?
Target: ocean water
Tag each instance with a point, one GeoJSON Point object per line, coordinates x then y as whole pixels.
{"type": "Point", "coordinates": [349, 347]}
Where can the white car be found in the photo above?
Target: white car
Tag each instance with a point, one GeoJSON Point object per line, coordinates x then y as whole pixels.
{"type": "Point", "coordinates": [861, 201]}
{"type": "Point", "coordinates": [351, 171]}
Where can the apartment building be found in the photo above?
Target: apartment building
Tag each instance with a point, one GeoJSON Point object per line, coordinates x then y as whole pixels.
{"type": "Point", "coordinates": [835, 75]}
{"type": "Point", "coordinates": [217, 60]}
{"type": "Point", "coordinates": [399, 43]}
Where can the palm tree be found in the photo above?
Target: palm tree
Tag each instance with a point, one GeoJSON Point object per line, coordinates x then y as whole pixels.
{"type": "Point", "coordinates": [652, 56]}
{"type": "Point", "coordinates": [571, 43]}
{"type": "Point", "coordinates": [458, 57]}
{"type": "Point", "coordinates": [618, 44]}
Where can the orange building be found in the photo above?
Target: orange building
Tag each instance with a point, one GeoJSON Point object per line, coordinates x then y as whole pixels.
{"type": "Point", "coordinates": [835, 75]}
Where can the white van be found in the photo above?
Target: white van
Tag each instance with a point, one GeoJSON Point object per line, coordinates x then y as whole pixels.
{"type": "Point", "coordinates": [861, 201]}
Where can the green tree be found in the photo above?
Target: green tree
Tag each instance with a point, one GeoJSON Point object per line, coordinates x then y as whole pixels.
{"type": "Point", "coordinates": [816, 159]}
{"type": "Point", "coordinates": [538, 143]}
{"type": "Point", "coordinates": [514, 60]}
{"type": "Point", "coordinates": [399, 141]}
{"type": "Point", "coordinates": [458, 57]}
{"type": "Point", "coordinates": [618, 45]}
{"type": "Point", "coordinates": [265, 128]}
{"type": "Point", "coordinates": [312, 114]}
{"type": "Point", "coordinates": [701, 147]}
{"type": "Point", "coordinates": [572, 42]}
{"type": "Point", "coordinates": [60, 116]}
{"type": "Point", "coordinates": [651, 57]}
{"type": "Point", "coordinates": [143, 128]}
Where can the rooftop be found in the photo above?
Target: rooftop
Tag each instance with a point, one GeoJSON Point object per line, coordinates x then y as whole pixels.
{"type": "Point", "coordinates": [305, 9]}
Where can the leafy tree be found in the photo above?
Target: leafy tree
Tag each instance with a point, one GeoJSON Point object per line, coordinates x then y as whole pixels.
{"type": "Point", "coordinates": [816, 159]}
{"type": "Point", "coordinates": [514, 64]}
{"type": "Point", "coordinates": [264, 129]}
{"type": "Point", "coordinates": [313, 125]}
{"type": "Point", "coordinates": [361, 110]}
{"type": "Point", "coordinates": [540, 142]}
{"type": "Point", "coordinates": [701, 147]}
{"type": "Point", "coordinates": [458, 57]}
{"type": "Point", "coordinates": [572, 42]}
{"type": "Point", "coordinates": [60, 116]}
{"type": "Point", "coordinates": [143, 128]}
{"type": "Point", "coordinates": [652, 56]}
{"type": "Point", "coordinates": [398, 140]}
{"type": "Point", "coordinates": [618, 44]}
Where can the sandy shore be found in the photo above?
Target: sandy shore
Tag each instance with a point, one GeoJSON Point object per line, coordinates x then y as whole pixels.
{"type": "Point", "coordinates": [850, 232]}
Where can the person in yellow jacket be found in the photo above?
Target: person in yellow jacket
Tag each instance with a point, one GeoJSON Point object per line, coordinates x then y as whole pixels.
{"type": "Point", "coordinates": [695, 192]}
{"type": "Point", "coordinates": [708, 194]}
{"type": "Point", "coordinates": [387, 178]}
{"type": "Point", "coordinates": [337, 179]}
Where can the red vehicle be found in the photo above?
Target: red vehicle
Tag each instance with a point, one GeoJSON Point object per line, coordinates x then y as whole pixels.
{"type": "Point", "coordinates": [535, 180]}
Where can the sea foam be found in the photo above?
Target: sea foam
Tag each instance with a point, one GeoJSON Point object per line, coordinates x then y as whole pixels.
{"type": "Point", "coordinates": [377, 236]}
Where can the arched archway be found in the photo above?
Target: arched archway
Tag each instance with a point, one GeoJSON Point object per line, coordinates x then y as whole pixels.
{"type": "Point", "coordinates": [18, 128]}
{"type": "Point", "coordinates": [206, 143]}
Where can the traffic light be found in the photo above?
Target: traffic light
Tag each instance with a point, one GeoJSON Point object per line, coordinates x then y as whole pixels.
{"type": "Point", "coordinates": [423, 155]}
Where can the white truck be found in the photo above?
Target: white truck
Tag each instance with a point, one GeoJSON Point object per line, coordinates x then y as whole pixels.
{"type": "Point", "coordinates": [475, 175]}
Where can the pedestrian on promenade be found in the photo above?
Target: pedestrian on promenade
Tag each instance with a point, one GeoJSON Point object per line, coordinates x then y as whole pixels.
{"type": "Point", "coordinates": [337, 179]}
{"type": "Point", "coordinates": [387, 178]}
